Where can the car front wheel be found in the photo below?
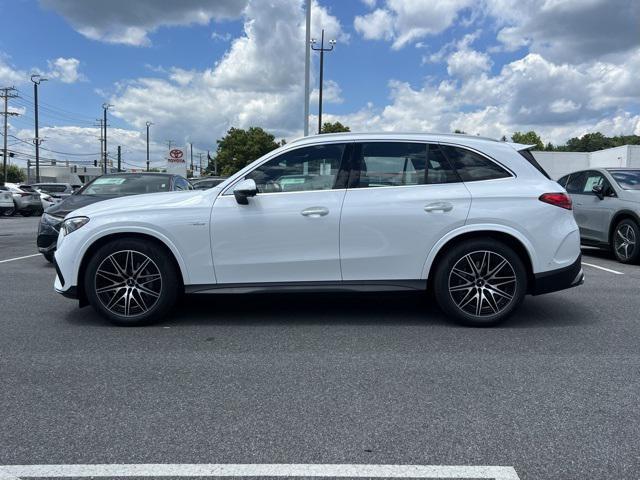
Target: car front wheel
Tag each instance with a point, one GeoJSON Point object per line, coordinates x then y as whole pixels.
{"type": "Point", "coordinates": [480, 282]}
{"type": "Point", "coordinates": [625, 241]}
{"type": "Point", "coordinates": [131, 282]}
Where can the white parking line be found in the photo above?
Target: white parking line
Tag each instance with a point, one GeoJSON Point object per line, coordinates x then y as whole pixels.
{"type": "Point", "coordinates": [19, 258]}
{"type": "Point", "coordinates": [602, 268]}
{"type": "Point", "coordinates": [13, 472]}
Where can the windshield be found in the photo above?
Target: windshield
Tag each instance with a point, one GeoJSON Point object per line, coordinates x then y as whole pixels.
{"type": "Point", "coordinates": [127, 185]}
{"type": "Point", "coordinates": [627, 179]}
{"type": "Point", "coordinates": [55, 188]}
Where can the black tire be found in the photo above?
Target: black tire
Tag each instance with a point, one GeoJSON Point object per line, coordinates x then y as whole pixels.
{"type": "Point", "coordinates": [625, 242]}
{"type": "Point", "coordinates": [485, 284]}
{"type": "Point", "coordinates": [9, 212]}
{"type": "Point", "coordinates": [26, 213]}
{"type": "Point", "coordinates": [128, 310]}
{"type": "Point", "coordinates": [48, 256]}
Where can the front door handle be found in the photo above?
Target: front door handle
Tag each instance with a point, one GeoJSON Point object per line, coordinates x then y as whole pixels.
{"type": "Point", "coordinates": [438, 207]}
{"type": "Point", "coordinates": [315, 212]}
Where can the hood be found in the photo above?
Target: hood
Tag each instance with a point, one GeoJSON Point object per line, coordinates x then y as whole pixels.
{"type": "Point", "coordinates": [73, 202]}
{"type": "Point", "coordinates": [148, 201]}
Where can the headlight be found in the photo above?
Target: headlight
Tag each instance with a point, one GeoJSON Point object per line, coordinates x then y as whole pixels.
{"type": "Point", "coordinates": [72, 224]}
{"type": "Point", "coordinates": [51, 219]}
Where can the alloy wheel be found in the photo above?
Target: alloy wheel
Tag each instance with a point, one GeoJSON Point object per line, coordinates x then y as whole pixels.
{"type": "Point", "coordinates": [482, 283]}
{"type": "Point", "coordinates": [128, 283]}
{"type": "Point", "coordinates": [625, 241]}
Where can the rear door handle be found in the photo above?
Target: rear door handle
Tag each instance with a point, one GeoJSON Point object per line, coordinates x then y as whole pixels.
{"type": "Point", "coordinates": [315, 212]}
{"type": "Point", "coordinates": [438, 207]}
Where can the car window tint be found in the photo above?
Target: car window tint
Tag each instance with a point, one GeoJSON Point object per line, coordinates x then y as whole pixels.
{"type": "Point", "coordinates": [563, 181]}
{"type": "Point", "coordinates": [627, 179]}
{"type": "Point", "coordinates": [439, 170]}
{"type": "Point", "coordinates": [384, 164]}
{"type": "Point", "coordinates": [303, 169]}
{"type": "Point", "coordinates": [472, 166]}
{"type": "Point", "coordinates": [576, 182]}
{"type": "Point", "coordinates": [182, 184]}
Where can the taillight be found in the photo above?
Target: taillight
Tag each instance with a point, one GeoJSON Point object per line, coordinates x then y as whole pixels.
{"type": "Point", "coordinates": [24, 194]}
{"type": "Point", "coordinates": [558, 199]}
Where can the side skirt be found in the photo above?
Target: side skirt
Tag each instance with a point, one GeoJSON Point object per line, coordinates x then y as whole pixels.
{"type": "Point", "coordinates": [347, 285]}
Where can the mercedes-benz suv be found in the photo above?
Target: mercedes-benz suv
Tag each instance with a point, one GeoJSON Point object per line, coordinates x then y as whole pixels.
{"type": "Point", "coordinates": [476, 220]}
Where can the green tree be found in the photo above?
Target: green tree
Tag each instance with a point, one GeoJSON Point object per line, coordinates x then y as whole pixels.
{"type": "Point", "coordinates": [590, 142]}
{"type": "Point", "coordinates": [14, 174]}
{"type": "Point", "coordinates": [335, 127]}
{"type": "Point", "coordinates": [457, 130]}
{"type": "Point", "coordinates": [529, 138]}
{"type": "Point", "coordinates": [240, 147]}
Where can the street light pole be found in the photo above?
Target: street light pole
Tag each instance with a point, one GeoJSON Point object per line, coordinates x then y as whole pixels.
{"type": "Point", "coordinates": [105, 107]}
{"type": "Point", "coordinates": [321, 50]}
{"type": "Point", "coordinates": [148, 125]}
{"type": "Point", "coordinates": [307, 63]}
{"type": "Point", "coordinates": [36, 79]}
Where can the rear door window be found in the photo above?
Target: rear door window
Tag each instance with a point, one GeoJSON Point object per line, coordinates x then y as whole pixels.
{"type": "Point", "coordinates": [391, 164]}
{"type": "Point", "coordinates": [576, 183]}
{"type": "Point", "coordinates": [471, 166]}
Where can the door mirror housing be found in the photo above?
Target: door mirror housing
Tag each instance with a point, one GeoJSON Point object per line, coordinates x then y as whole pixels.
{"type": "Point", "coordinates": [245, 189]}
{"type": "Point", "coordinates": [599, 191]}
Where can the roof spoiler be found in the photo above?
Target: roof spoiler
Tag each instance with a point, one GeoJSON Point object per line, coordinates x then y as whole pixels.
{"type": "Point", "coordinates": [519, 146]}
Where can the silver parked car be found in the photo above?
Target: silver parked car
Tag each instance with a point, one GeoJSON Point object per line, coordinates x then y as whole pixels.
{"type": "Point", "coordinates": [606, 204]}
{"type": "Point", "coordinates": [27, 201]}
{"type": "Point", "coordinates": [6, 200]}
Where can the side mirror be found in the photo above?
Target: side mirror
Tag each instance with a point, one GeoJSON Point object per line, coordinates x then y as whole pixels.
{"type": "Point", "coordinates": [598, 190]}
{"type": "Point", "coordinates": [245, 189]}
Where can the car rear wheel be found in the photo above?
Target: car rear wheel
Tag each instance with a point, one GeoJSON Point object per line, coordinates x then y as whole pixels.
{"type": "Point", "coordinates": [480, 282]}
{"type": "Point", "coordinates": [131, 282]}
{"type": "Point", "coordinates": [626, 238]}
{"type": "Point", "coordinates": [9, 212]}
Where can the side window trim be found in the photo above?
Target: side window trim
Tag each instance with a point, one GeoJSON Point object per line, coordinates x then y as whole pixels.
{"type": "Point", "coordinates": [483, 155]}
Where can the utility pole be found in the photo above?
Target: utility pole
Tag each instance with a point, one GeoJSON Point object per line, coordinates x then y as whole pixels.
{"type": "Point", "coordinates": [307, 64]}
{"type": "Point", "coordinates": [101, 144]}
{"type": "Point", "coordinates": [105, 107]}
{"type": "Point", "coordinates": [6, 93]}
{"type": "Point", "coordinates": [321, 50]}
{"type": "Point", "coordinates": [119, 159]}
{"type": "Point", "coordinates": [191, 147]}
{"type": "Point", "coordinates": [148, 125]}
{"type": "Point", "coordinates": [200, 162]}
{"type": "Point", "coordinates": [169, 142]}
{"type": "Point", "coordinates": [36, 79]}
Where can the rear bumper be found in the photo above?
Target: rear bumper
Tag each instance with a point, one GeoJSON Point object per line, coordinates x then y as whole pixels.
{"type": "Point", "coordinates": [561, 279]}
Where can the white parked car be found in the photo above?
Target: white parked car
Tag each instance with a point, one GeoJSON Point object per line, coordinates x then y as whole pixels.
{"type": "Point", "coordinates": [476, 220]}
{"type": "Point", "coordinates": [6, 200]}
{"type": "Point", "coordinates": [26, 202]}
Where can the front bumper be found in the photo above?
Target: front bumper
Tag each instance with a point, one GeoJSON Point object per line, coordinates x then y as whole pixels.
{"type": "Point", "coordinates": [560, 279]}
{"type": "Point", "coordinates": [47, 236]}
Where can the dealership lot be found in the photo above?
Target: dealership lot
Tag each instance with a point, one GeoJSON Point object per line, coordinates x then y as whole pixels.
{"type": "Point", "coordinates": [323, 379]}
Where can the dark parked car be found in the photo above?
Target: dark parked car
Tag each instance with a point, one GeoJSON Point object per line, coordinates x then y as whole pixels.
{"type": "Point", "coordinates": [102, 188]}
{"type": "Point", "coordinates": [206, 183]}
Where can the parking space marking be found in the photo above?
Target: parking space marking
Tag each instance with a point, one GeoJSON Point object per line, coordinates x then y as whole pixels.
{"type": "Point", "coordinates": [19, 258]}
{"type": "Point", "coordinates": [602, 268]}
{"type": "Point", "coordinates": [13, 472]}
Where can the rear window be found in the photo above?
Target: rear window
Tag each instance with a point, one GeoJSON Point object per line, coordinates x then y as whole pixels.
{"type": "Point", "coordinates": [53, 188]}
{"type": "Point", "coordinates": [532, 160]}
{"type": "Point", "coordinates": [471, 166]}
{"type": "Point", "coordinates": [127, 185]}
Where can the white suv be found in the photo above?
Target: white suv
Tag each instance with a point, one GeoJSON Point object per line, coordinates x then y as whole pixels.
{"type": "Point", "coordinates": [476, 220]}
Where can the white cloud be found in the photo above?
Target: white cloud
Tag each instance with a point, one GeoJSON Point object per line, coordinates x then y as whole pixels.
{"type": "Point", "coordinates": [65, 70]}
{"type": "Point", "coordinates": [557, 100]}
{"type": "Point", "coordinates": [331, 93]}
{"type": "Point", "coordinates": [130, 22]}
{"type": "Point", "coordinates": [377, 25]}
{"type": "Point", "coordinates": [404, 21]}
{"type": "Point", "coordinates": [259, 81]}
{"type": "Point", "coordinates": [9, 75]}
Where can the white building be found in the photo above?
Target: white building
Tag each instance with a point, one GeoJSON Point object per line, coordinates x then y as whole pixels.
{"type": "Point", "coordinates": [558, 164]}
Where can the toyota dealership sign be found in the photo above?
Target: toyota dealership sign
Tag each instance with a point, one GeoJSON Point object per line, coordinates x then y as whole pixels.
{"type": "Point", "coordinates": [176, 162]}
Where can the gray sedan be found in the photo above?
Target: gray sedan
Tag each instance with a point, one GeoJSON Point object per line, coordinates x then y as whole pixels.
{"type": "Point", "coordinates": [606, 205]}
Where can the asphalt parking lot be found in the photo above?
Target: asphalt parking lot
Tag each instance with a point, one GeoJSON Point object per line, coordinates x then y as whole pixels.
{"type": "Point", "coordinates": [325, 378]}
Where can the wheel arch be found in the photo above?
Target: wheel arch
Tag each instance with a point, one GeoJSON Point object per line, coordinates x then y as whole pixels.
{"type": "Point", "coordinates": [516, 241]}
{"type": "Point", "coordinates": [617, 218]}
{"type": "Point", "coordinates": [97, 243]}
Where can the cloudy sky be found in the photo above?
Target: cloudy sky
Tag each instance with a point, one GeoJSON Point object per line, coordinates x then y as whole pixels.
{"type": "Point", "coordinates": [197, 67]}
